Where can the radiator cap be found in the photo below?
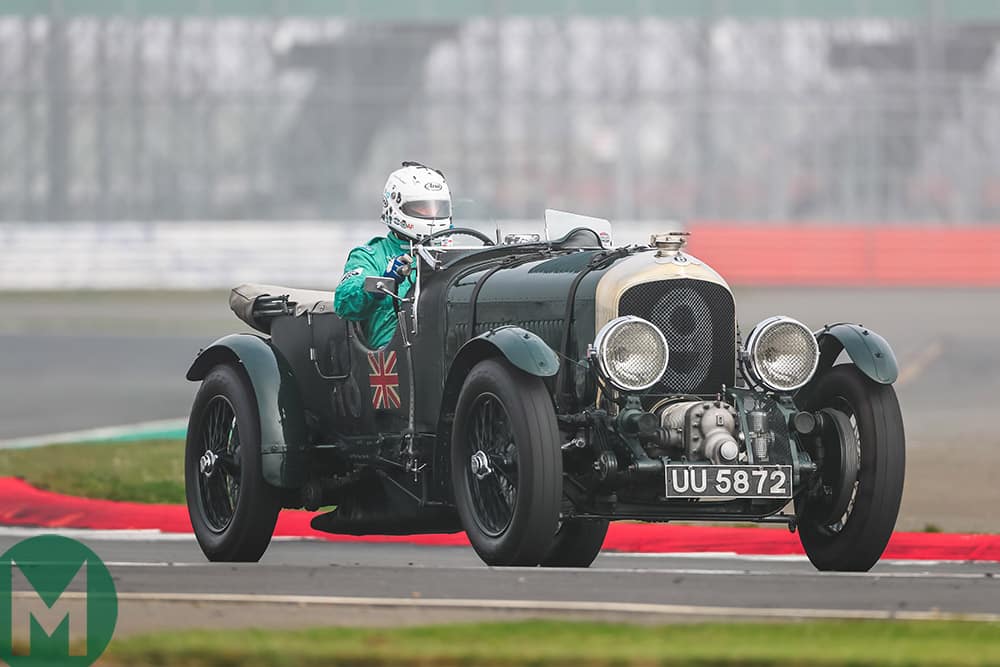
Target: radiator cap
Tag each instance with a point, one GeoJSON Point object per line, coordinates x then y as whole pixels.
{"type": "Point", "coordinates": [668, 244]}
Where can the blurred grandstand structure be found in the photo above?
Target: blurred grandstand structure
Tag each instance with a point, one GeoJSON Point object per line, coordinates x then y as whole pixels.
{"type": "Point", "coordinates": [817, 110]}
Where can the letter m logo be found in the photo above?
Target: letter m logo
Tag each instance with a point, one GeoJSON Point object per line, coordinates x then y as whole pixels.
{"type": "Point", "coordinates": [29, 610]}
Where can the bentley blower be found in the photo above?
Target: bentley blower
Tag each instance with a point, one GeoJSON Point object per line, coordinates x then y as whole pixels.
{"type": "Point", "coordinates": [535, 390]}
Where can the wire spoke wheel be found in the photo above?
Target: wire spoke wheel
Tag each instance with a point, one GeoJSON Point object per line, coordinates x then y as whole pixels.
{"type": "Point", "coordinates": [233, 509]}
{"type": "Point", "coordinates": [839, 521]}
{"type": "Point", "coordinates": [218, 480]}
{"type": "Point", "coordinates": [506, 464]}
{"type": "Point", "coordinates": [846, 521]}
{"type": "Point", "coordinates": [493, 485]}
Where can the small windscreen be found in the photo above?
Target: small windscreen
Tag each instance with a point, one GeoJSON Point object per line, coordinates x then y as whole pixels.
{"type": "Point", "coordinates": [560, 223]}
{"type": "Point", "coordinates": [430, 209]}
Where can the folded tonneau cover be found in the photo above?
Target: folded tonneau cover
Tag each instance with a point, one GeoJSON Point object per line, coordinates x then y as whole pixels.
{"type": "Point", "coordinates": [242, 298]}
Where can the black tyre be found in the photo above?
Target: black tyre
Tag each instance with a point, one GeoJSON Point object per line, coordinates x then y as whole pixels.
{"type": "Point", "coordinates": [233, 510]}
{"type": "Point", "coordinates": [854, 541]}
{"type": "Point", "coordinates": [506, 464]}
{"type": "Point", "coordinates": [577, 543]}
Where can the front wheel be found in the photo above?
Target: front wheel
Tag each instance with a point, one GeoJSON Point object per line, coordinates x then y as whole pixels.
{"type": "Point", "coordinates": [578, 542]}
{"type": "Point", "coordinates": [845, 524]}
{"type": "Point", "coordinates": [506, 464]}
{"type": "Point", "coordinates": [233, 510]}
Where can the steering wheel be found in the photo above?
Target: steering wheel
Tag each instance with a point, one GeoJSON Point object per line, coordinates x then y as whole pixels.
{"type": "Point", "coordinates": [460, 231]}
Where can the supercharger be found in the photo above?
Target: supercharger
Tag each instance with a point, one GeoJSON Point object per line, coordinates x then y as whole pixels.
{"type": "Point", "coordinates": [703, 430]}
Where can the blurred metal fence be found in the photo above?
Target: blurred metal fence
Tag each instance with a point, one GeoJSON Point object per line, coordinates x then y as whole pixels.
{"type": "Point", "coordinates": [297, 109]}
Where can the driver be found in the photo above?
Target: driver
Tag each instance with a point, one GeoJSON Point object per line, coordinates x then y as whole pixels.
{"type": "Point", "coordinates": [415, 204]}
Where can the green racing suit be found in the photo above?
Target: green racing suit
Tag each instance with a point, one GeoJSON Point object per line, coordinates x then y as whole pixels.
{"type": "Point", "coordinates": [352, 302]}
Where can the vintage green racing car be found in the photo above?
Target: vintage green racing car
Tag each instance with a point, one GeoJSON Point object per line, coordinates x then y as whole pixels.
{"type": "Point", "coordinates": [535, 390]}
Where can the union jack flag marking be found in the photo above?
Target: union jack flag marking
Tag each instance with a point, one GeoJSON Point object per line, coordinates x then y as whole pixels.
{"type": "Point", "coordinates": [384, 380]}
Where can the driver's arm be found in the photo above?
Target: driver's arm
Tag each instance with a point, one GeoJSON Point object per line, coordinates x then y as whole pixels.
{"type": "Point", "coordinates": [351, 301]}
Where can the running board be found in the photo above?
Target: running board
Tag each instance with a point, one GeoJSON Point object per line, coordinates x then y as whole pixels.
{"type": "Point", "coordinates": [426, 521]}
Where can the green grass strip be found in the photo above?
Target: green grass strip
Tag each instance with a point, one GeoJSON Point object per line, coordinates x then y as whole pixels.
{"type": "Point", "coordinates": [545, 643]}
{"type": "Point", "coordinates": [152, 434]}
{"type": "Point", "coordinates": [146, 472]}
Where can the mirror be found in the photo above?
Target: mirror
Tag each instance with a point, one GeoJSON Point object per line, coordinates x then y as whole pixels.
{"type": "Point", "coordinates": [379, 285]}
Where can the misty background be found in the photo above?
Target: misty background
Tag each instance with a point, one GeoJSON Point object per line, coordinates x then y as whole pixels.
{"type": "Point", "coordinates": [872, 112]}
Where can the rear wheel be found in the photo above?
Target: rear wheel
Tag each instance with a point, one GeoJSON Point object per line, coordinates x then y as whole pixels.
{"type": "Point", "coordinates": [506, 464]}
{"type": "Point", "coordinates": [845, 524]}
{"type": "Point", "coordinates": [233, 510]}
{"type": "Point", "coordinates": [577, 543]}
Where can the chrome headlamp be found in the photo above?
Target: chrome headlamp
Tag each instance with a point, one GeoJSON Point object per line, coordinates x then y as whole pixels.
{"type": "Point", "coordinates": [632, 353]}
{"type": "Point", "coordinates": [781, 354]}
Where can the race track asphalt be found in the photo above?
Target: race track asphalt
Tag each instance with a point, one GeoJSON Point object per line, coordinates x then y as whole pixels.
{"type": "Point", "coordinates": [320, 583]}
{"type": "Point", "coordinates": [72, 361]}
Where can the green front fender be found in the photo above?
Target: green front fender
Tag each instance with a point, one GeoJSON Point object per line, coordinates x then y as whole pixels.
{"type": "Point", "coordinates": [520, 347]}
{"type": "Point", "coordinates": [870, 352]}
{"type": "Point", "coordinates": [279, 404]}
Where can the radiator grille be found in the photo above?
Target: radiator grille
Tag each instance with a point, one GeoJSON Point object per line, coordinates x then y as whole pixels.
{"type": "Point", "coordinates": [698, 319]}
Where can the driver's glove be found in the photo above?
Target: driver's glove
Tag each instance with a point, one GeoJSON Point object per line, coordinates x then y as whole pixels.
{"type": "Point", "coordinates": [398, 268]}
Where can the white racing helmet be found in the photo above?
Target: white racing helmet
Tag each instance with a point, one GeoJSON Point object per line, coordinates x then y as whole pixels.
{"type": "Point", "coordinates": [416, 201]}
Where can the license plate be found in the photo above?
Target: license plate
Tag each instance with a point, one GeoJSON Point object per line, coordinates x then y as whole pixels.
{"type": "Point", "coordinates": [711, 481]}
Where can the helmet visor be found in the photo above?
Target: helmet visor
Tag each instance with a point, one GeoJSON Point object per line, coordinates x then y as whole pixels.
{"type": "Point", "coordinates": [428, 209]}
